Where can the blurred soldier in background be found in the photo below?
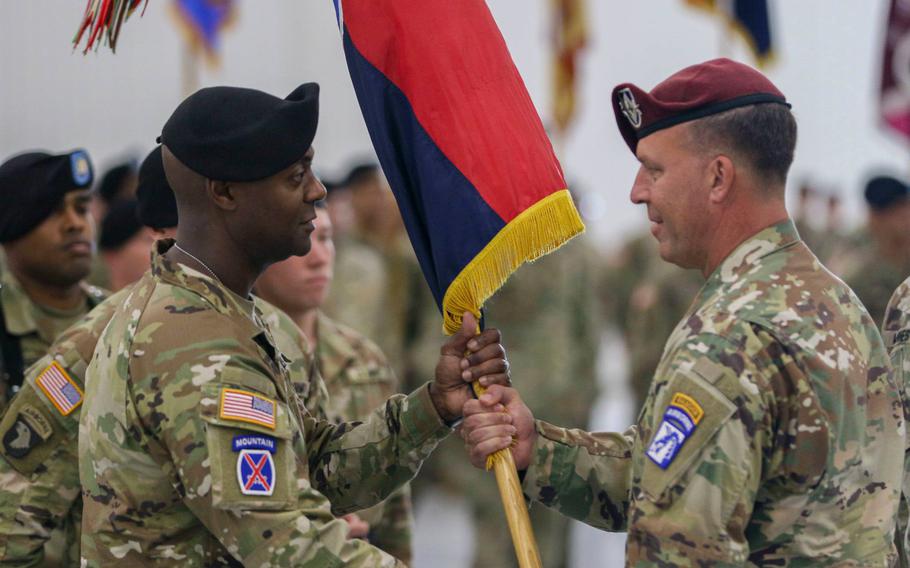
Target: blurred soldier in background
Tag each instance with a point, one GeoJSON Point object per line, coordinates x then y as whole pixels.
{"type": "Point", "coordinates": [882, 263]}
{"type": "Point", "coordinates": [125, 244]}
{"type": "Point", "coordinates": [356, 373]}
{"type": "Point", "coordinates": [379, 289]}
{"type": "Point", "coordinates": [117, 184]}
{"type": "Point", "coordinates": [47, 234]}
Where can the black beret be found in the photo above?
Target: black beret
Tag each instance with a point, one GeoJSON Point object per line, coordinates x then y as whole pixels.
{"type": "Point", "coordinates": [112, 181]}
{"type": "Point", "coordinates": [120, 224]}
{"type": "Point", "coordinates": [157, 205]}
{"type": "Point", "coordinates": [695, 92]}
{"type": "Point", "coordinates": [32, 186]}
{"type": "Point", "coordinates": [884, 191]}
{"type": "Point", "coordinates": [236, 134]}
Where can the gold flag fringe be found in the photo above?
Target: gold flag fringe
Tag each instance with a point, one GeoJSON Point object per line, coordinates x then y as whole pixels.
{"type": "Point", "coordinates": [538, 230]}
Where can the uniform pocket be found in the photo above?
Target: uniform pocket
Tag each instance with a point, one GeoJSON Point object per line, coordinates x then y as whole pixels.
{"type": "Point", "coordinates": [692, 411]}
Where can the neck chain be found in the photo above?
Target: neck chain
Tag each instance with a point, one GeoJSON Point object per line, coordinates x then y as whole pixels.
{"type": "Point", "coordinates": [204, 265]}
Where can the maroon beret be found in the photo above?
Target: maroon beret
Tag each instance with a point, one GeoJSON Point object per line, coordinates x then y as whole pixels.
{"type": "Point", "coordinates": [694, 92]}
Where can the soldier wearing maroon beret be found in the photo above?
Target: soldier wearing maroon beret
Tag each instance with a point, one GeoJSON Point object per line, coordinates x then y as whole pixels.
{"type": "Point", "coordinates": [773, 433]}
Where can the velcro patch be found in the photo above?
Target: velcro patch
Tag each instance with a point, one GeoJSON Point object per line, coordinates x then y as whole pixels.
{"type": "Point", "coordinates": [679, 421]}
{"type": "Point", "coordinates": [245, 406]}
{"type": "Point", "coordinates": [59, 388]}
{"type": "Point", "coordinates": [21, 438]}
{"type": "Point", "coordinates": [254, 442]}
{"type": "Point", "coordinates": [255, 472]}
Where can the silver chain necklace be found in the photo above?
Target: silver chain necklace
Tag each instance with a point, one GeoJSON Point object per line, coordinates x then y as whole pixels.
{"type": "Point", "coordinates": [204, 265]}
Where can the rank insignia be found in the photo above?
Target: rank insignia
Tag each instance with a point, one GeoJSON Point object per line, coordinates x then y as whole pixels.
{"type": "Point", "coordinates": [255, 472]}
{"type": "Point", "coordinates": [249, 407]}
{"type": "Point", "coordinates": [629, 107]}
{"type": "Point", "coordinates": [680, 420]}
{"type": "Point", "coordinates": [59, 388]}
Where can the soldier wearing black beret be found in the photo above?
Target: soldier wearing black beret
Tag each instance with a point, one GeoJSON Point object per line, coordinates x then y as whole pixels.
{"type": "Point", "coordinates": [47, 235]}
{"type": "Point", "coordinates": [193, 443]}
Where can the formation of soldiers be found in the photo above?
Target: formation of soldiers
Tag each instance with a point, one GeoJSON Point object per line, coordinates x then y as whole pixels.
{"type": "Point", "coordinates": [234, 402]}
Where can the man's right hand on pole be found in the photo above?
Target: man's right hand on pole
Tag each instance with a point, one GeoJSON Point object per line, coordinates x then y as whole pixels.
{"type": "Point", "coordinates": [493, 420]}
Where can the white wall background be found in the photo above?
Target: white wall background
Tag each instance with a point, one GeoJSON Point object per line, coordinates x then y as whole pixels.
{"type": "Point", "coordinates": [111, 104]}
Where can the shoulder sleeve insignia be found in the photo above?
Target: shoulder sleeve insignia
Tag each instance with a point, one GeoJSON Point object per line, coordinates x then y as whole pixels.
{"type": "Point", "coordinates": [30, 429]}
{"type": "Point", "coordinates": [59, 388]}
{"type": "Point", "coordinates": [255, 472]}
{"type": "Point", "coordinates": [245, 406]}
{"type": "Point", "coordinates": [679, 421]}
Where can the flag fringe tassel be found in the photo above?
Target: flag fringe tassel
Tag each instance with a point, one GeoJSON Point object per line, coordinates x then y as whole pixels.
{"type": "Point", "coordinates": [536, 231]}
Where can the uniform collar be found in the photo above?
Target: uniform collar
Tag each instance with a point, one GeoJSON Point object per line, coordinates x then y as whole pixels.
{"type": "Point", "coordinates": [17, 306]}
{"type": "Point", "coordinates": [746, 257]}
{"type": "Point", "coordinates": [210, 289]}
{"type": "Point", "coordinates": [333, 352]}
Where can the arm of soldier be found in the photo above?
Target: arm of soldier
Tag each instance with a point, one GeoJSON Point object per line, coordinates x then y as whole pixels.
{"type": "Point", "coordinates": [899, 349]}
{"type": "Point", "coordinates": [246, 479]}
{"type": "Point", "coordinates": [392, 531]}
{"type": "Point", "coordinates": [39, 479]}
{"type": "Point", "coordinates": [399, 435]}
{"type": "Point", "coordinates": [585, 476]}
{"type": "Point", "coordinates": [395, 439]}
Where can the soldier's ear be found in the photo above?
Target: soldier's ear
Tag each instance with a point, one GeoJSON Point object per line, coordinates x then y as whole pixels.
{"type": "Point", "coordinates": [221, 193]}
{"type": "Point", "coordinates": [721, 174]}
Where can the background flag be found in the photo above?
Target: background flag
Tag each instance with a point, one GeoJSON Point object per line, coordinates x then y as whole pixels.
{"type": "Point", "coordinates": [570, 34]}
{"type": "Point", "coordinates": [203, 21]}
{"type": "Point", "coordinates": [750, 19]}
{"type": "Point", "coordinates": [476, 180]}
{"type": "Point", "coordinates": [895, 93]}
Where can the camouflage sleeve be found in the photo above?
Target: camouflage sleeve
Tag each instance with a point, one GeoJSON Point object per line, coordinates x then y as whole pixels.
{"type": "Point", "coordinates": [393, 532]}
{"type": "Point", "coordinates": [585, 476]}
{"type": "Point", "coordinates": [290, 524]}
{"type": "Point", "coordinates": [736, 410]}
{"type": "Point", "coordinates": [395, 440]}
{"type": "Point", "coordinates": [896, 333]}
{"type": "Point", "coordinates": [39, 480]}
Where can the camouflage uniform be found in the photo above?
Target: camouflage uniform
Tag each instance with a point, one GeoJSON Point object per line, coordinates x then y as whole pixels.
{"type": "Point", "coordinates": [661, 297]}
{"type": "Point", "coordinates": [773, 432]}
{"type": "Point", "coordinates": [359, 380]}
{"type": "Point", "coordinates": [896, 331]}
{"type": "Point", "coordinates": [193, 450]}
{"type": "Point", "coordinates": [39, 484]}
{"type": "Point", "coordinates": [36, 326]}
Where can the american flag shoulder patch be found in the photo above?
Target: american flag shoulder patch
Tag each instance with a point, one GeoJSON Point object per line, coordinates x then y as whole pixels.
{"type": "Point", "coordinates": [245, 406]}
{"type": "Point", "coordinates": [59, 388]}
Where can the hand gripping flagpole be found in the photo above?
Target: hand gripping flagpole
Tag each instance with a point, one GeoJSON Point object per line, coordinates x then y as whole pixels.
{"type": "Point", "coordinates": [513, 502]}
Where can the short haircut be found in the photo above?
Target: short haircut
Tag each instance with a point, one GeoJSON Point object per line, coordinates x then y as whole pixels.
{"type": "Point", "coordinates": [762, 135]}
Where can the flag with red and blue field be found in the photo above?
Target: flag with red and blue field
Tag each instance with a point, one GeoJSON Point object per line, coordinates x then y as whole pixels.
{"type": "Point", "coordinates": [472, 169]}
